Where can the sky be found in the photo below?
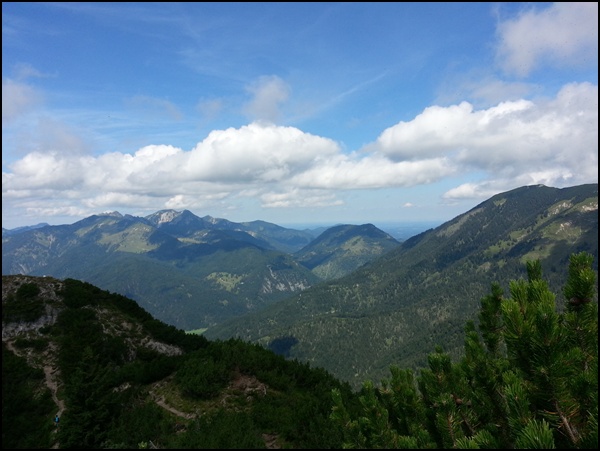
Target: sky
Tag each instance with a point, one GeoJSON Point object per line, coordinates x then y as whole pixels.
{"type": "Point", "coordinates": [292, 113]}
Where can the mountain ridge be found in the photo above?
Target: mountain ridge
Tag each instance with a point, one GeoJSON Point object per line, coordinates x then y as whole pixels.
{"type": "Point", "coordinates": [394, 308]}
{"type": "Point", "coordinates": [342, 249]}
{"type": "Point", "coordinates": [419, 294]}
{"type": "Point", "coordinates": [120, 379]}
{"type": "Point", "coordinates": [189, 271]}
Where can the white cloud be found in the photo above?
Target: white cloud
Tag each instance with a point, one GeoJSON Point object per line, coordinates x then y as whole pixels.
{"type": "Point", "coordinates": [39, 210]}
{"type": "Point", "coordinates": [472, 191]}
{"type": "Point", "coordinates": [17, 99]}
{"type": "Point", "coordinates": [230, 162]}
{"type": "Point", "coordinates": [255, 153]}
{"type": "Point", "coordinates": [348, 173]}
{"type": "Point", "coordinates": [562, 34]}
{"type": "Point", "coordinates": [553, 142]}
{"type": "Point", "coordinates": [269, 92]}
{"type": "Point", "coordinates": [45, 171]}
{"type": "Point", "coordinates": [300, 198]}
{"type": "Point", "coordinates": [114, 200]}
{"type": "Point", "coordinates": [440, 131]}
{"type": "Point", "coordinates": [483, 90]}
{"type": "Point", "coordinates": [511, 144]}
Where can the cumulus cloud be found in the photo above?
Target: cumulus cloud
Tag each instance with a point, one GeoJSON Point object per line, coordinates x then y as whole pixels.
{"type": "Point", "coordinates": [482, 89]}
{"type": "Point", "coordinates": [563, 34]}
{"type": "Point", "coordinates": [268, 92]}
{"type": "Point", "coordinates": [300, 198]}
{"type": "Point", "coordinates": [553, 142]}
{"type": "Point", "coordinates": [230, 162]}
{"type": "Point", "coordinates": [356, 172]}
{"type": "Point", "coordinates": [256, 153]}
{"type": "Point", "coordinates": [511, 144]}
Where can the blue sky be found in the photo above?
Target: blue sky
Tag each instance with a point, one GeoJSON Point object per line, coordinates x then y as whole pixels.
{"type": "Point", "coordinates": [292, 112]}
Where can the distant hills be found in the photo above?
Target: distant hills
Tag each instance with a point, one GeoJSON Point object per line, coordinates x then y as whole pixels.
{"type": "Point", "coordinates": [398, 307]}
{"type": "Point", "coordinates": [341, 249]}
{"type": "Point", "coordinates": [22, 229]}
{"type": "Point", "coordinates": [189, 271]}
{"type": "Point", "coordinates": [351, 300]}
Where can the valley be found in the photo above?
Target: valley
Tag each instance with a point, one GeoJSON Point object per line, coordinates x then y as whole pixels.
{"type": "Point", "coordinates": [351, 298]}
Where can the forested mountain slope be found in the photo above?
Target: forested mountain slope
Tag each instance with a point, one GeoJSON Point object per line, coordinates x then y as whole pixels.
{"type": "Point", "coordinates": [342, 249]}
{"type": "Point", "coordinates": [183, 273]}
{"type": "Point", "coordinates": [188, 271]}
{"type": "Point", "coordinates": [397, 308]}
{"type": "Point", "coordinates": [117, 378]}
{"type": "Point", "coordinates": [528, 377]}
{"type": "Point", "coordinates": [120, 379]}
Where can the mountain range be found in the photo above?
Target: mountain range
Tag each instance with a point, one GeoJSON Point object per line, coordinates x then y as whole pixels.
{"type": "Point", "coordinates": [398, 307]}
{"type": "Point", "coordinates": [188, 271]}
{"type": "Point", "coordinates": [352, 300]}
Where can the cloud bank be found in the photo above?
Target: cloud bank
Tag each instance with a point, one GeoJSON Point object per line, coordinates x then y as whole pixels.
{"type": "Point", "coordinates": [552, 142]}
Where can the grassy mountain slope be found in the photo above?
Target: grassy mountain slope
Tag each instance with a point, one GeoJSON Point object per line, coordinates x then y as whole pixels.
{"type": "Point", "coordinates": [342, 249]}
{"type": "Point", "coordinates": [188, 271]}
{"type": "Point", "coordinates": [118, 378]}
{"type": "Point", "coordinates": [397, 308]}
{"type": "Point", "coordinates": [269, 236]}
{"type": "Point", "coordinates": [182, 272]}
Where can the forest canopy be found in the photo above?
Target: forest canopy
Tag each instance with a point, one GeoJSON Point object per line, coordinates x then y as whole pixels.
{"type": "Point", "coordinates": [528, 379]}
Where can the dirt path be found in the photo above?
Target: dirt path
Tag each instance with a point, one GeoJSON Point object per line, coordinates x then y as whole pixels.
{"type": "Point", "coordinates": [51, 373]}
{"type": "Point", "coordinates": [241, 384]}
{"type": "Point", "coordinates": [50, 379]}
{"type": "Point", "coordinates": [161, 402]}
{"type": "Point", "coordinates": [53, 386]}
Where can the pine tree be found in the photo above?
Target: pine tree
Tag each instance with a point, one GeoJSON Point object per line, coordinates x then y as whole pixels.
{"type": "Point", "coordinates": [529, 377]}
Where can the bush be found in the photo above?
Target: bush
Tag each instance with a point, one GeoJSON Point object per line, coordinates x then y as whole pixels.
{"type": "Point", "coordinates": [202, 378]}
